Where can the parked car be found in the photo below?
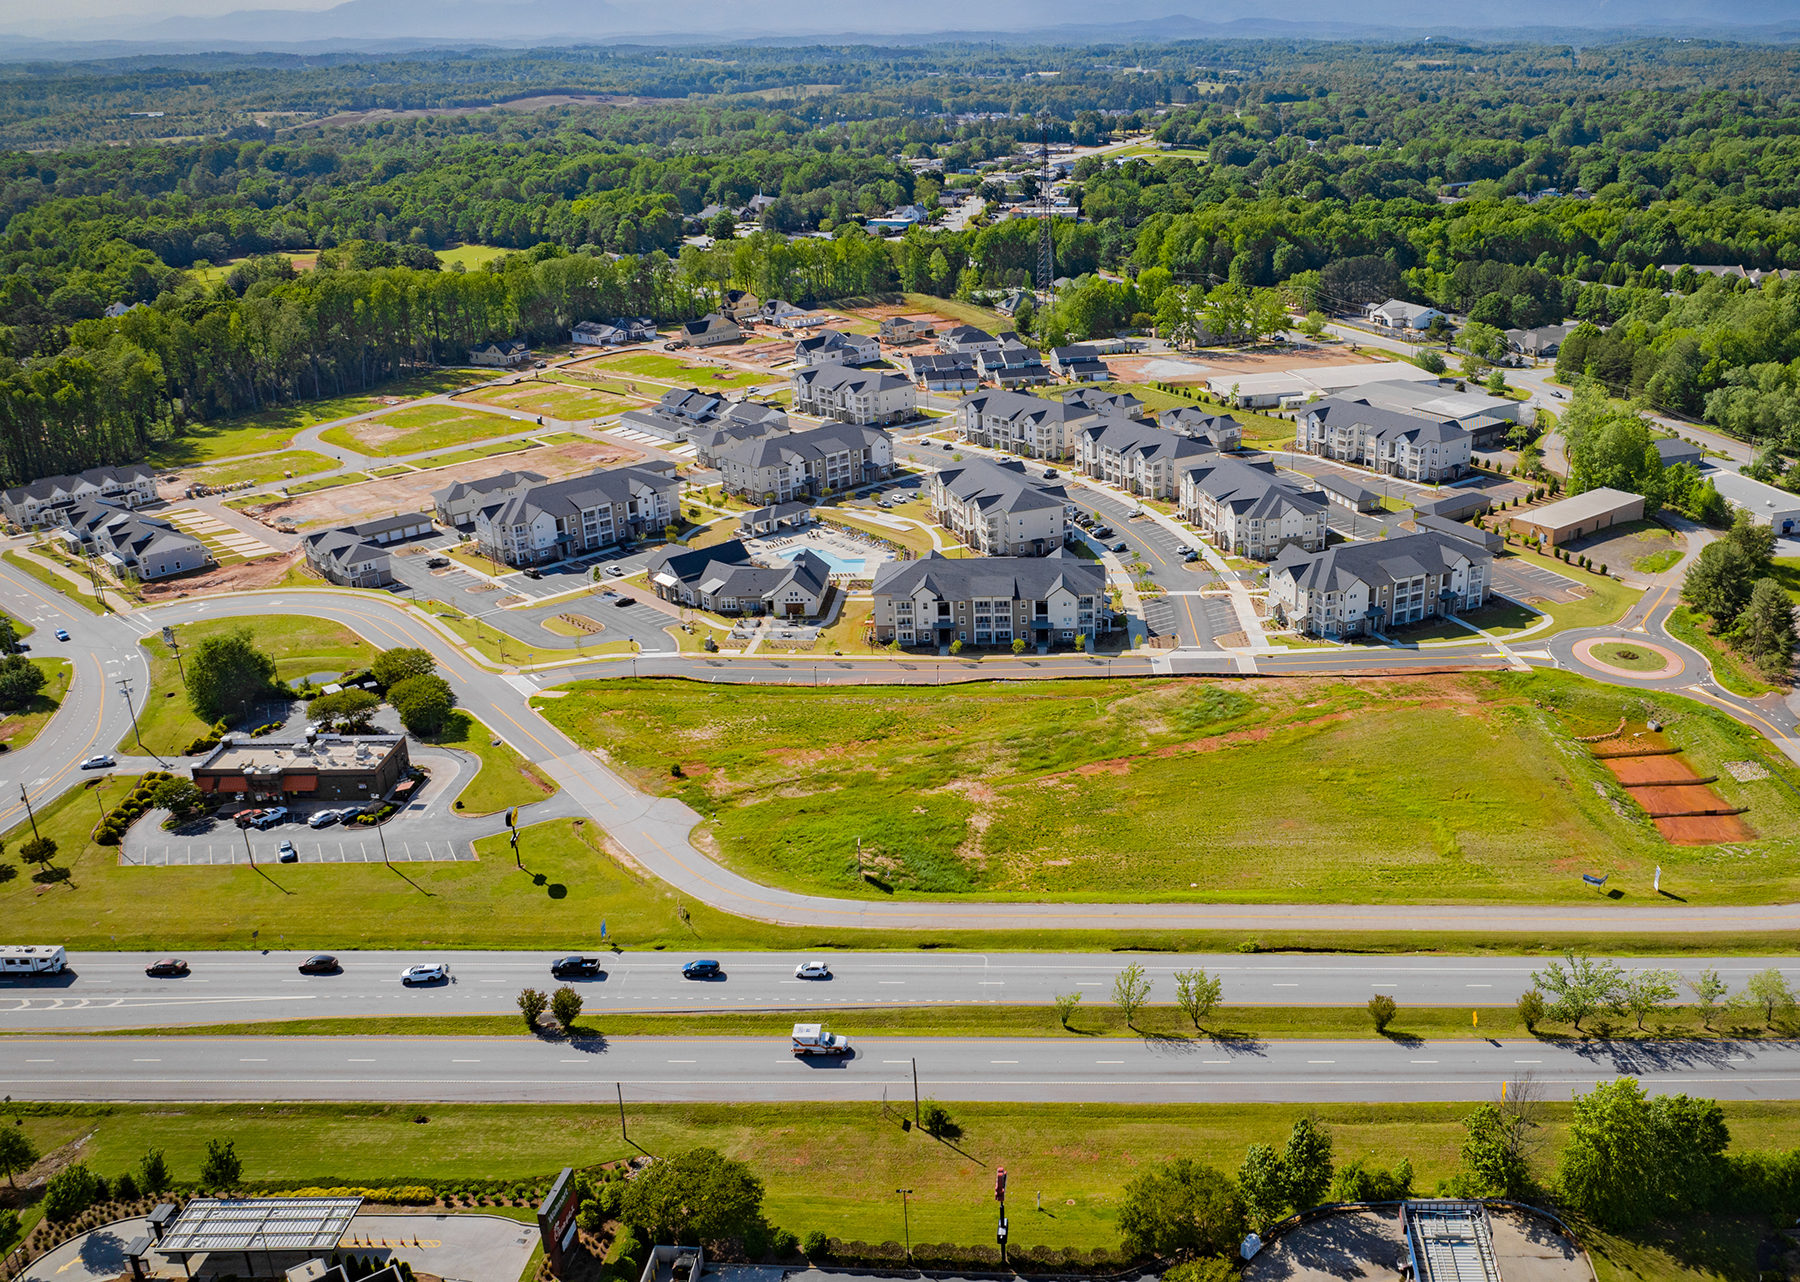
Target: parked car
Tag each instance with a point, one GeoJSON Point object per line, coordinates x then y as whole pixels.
{"type": "Point", "coordinates": [320, 964]}
{"type": "Point", "coordinates": [1103, 531]}
{"type": "Point", "coordinates": [167, 968]}
{"type": "Point", "coordinates": [615, 571]}
{"type": "Point", "coordinates": [1050, 474]}
{"type": "Point", "coordinates": [532, 572]}
{"type": "Point", "coordinates": [812, 970]}
{"type": "Point", "coordinates": [1192, 554]}
{"type": "Point", "coordinates": [247, 817]}
{"type": "Point", "coordinates": [100, 762]}
{"type": "Point", "coordinates": [323, 819]}
{"type": "Point", "coordinates": [272, 816]}
{"type": "Point", "coordinates": [287, 853]}
{"type": "Point", "coordinates": [576, 967]}
{"type": "Point", "coordinates": [621, 600]}
{"type": "Point", "coordinates": [62, 634]}
{"type": "Point", "coordinates": [436, 562]}
{"type": "Point", "coordinates": [425, 973]}
{"type": "Point", "coordinates": [704, 969]}
{"type": "Point", "coordinates": [1120, 546]}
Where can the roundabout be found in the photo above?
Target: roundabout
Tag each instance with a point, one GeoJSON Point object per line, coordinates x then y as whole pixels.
{"type": "Point", "coordinates": [1629, 657]}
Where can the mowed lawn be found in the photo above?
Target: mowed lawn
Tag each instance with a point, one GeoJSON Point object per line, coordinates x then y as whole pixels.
{"type": "Point", "coordinates": [554, 400]}
{"type": "Point", "coordinates": [20, 726]}
{"type": "Point", "coordinates": [422, 427]}
{"type": "Point", "coordinates": [272, 429]}
{"type": "Point", "coordinates": [1459, 788]}
{"type": "Point", "coordinates": [299, 645]}
{"type": "Point", "coordinates": [674, 370]}
{"type": "Point", "coordinates": [263, 468]}
{"type": "Point", "coordinates": [505, 778]}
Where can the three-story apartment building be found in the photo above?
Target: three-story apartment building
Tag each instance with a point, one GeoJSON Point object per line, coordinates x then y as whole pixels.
{"type": "Point", "coordinates": [1243, 509]}
{"type": "Point", "coordinates": [45, 501]}
{"type": "Point", "coordinates": [999, 509]}
{"type": "Point", "coordinates": [853, 395]}
{"type": "Point", "coordinates": [934, 601]}
{"type": "Point", "coordinates": [579, 514]}
{"type": "Point", "coordinates": [1355, 589]}
{"type": "Point", "coordinates": [1136, 456]}
{"type": "Point", "coordinates": [1413, 446]}
{"type": "Point", "coordinates": [785, 466]}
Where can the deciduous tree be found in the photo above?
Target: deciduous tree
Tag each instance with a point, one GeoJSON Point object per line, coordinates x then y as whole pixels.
{"type": "Point", "coordinates": [1181, 1207]}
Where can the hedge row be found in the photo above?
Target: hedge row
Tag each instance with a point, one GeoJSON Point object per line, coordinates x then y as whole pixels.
{"type": "Point", "coordinates": [112, 828]}
{"type": "Point", "coordinates": [404, 1195]}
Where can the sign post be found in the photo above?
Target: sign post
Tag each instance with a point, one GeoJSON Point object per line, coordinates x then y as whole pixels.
{"type": "Point", "coordinates": [1000, 1197]}
{"type": "Point", "coordinates": [556, 1221]}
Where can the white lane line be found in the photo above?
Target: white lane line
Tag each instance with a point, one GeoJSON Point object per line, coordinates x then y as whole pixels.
{"type": "Point", "coordinates": [1477, 985]}
{"type": "Point", "coordinates": [1109, 1061]}
{"type": "Point", "coordinates": [890, 981]}
{"type": "Point", "coordinates": [146, 1061]}
{"type": "Point", "coordinates": [681, 1061]}
{"type": "Point", "coordinates": [1215, 1061]}
{"type": "Point", "coordinates": [1003, 1061]}
{"type": "Point", "coordinates": [1287, 985]}
{"type": "Point", "coordinates": [1321, 1061]}
{"type": "Point", "coordinates": [1528, 1061]}
{"type": "Point", "coordinates": [362, 1061]}
{"type": "Point", "coordinates": [1424, 1061]}
{"type": "Point", "coordinates": [253, 1061]}
{"type": "Point", "coordinates": [465, 1061]}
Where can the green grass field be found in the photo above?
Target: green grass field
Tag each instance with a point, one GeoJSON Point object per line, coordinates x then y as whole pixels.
{"type": "Point", "coordinates": [273, 429]}
{"type": "Point", "coordinates": [471, 256]}
{"type": "Point", "coordinates": [1657, 562]}
{"type": "Point", "coordinates": [555, 400]}
{"type": "Point", "coordinates": [21, 726]}
{"type": "Point", "coordinates": [1458, 788]}
{"type": "Point", "coordinates": [673, 369]}
{"type": "Point", "coordinates": [52, 580]}
{"type": "Point", "coordinates": [264, 469]}
{"type": "Point", "coordinates": [477, 453]}
{"type": "Point", "coordinates": [834, 1167]}
{"type": "Point", "coordinates": [422, 427]}
{"type": "Point", "coordinates": [299, 645]}
{"type": "Point", "coordinates": [505, 778]}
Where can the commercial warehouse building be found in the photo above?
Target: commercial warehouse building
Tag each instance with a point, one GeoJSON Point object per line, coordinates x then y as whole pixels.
{"type": "Point", "coordinates": [1578, 517]}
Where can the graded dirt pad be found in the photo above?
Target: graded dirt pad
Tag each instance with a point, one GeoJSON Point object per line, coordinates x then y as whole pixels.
{"type": "Point", "coordinates": [242, 577]}
{"type": "Point", "coordinates": [412, 492]}
{"type": "Point", "coordinates": [1638, 771]}
{"type": "Point", "coordinates": [1679, 810]}
{"type": "Point", "coordinates": [1705, 830]}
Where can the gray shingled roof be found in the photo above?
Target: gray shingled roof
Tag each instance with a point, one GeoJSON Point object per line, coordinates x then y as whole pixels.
{"type": "Point", "coordinates": [1001, 577]}
{"type": "Point", "coordinates": [574, 495]}
{"type": "Point", "coordinates": [1250, 490]}
{"type": "Point", "coordinates": [102, 476]}
{"type": "Point", "coordinates": [1386, 424]}
{"type": "Point", "coordinates": [1379, 563]}
{"type": "Point", "coordinates": [485, 485]}
{"type": "Point", "coordinates": [1005, 487]}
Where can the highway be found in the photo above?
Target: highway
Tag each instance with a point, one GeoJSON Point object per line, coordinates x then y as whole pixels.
{"type": "Point", "coordinates": [110, 990]}
{"type": "Point", "coordinates": [1023, 1070]}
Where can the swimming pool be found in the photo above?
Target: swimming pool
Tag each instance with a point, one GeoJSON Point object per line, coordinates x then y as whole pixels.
{"type": "Point", "coordinates": [838, 564]}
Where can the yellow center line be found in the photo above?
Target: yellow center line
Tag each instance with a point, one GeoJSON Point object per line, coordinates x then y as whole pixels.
{"type": "Point", "coordinates": [539, 742]}
{"type": "Point", "coordinates": [99, 720]}
{"type": "Point", "coordinates": [1732, 707]}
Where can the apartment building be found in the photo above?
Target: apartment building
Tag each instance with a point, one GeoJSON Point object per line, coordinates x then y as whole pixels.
{"type": "Point", "coordinates": [905, 329]}
{"type": "Point", "coordinates": [1355, 589]}
{"type": "Point", "coordinates": [936, 372]}
{"type": "Point", "coordinates": [854, 395]}
{"type": "Point", "coordinates": [1243, 509]}
{"type": "Point", "coordinates": [1000, 509]}
{"type": "Point", "coordinates": [1011, 365]}
{"type": "Point", "coordinates": [1079, 364]}
{"type": "Point", "coordinates": [46, 502]}
{"type": "Point", "coordinates": [1021, 423]}
{"type": "Point", "coordinates": [748, 421]}
{"type": "Point", "coordinates": [726, 580]}
{"type": "Point", "coordinates": [989, 600]}
{"type": "Point", "coordinates": [966, 340]}
{"type": "Point", "coordinates": [834, 347]}
{"type": "Point", "coordinates": [686, 413]}
{"type": "Point", "coordinates": [341, 556]}
{"type": "Point", "coordinates": [1221, 431]}
{"type": "Point", "coordinates": [145, 546]}
{"type": "Point", "coordinates": [1412, 446]}
{"type": "Point", "coordinates": [457, 503]}
{"type": "Point", "coordinates": [786, 466]}
{"type": "Point", "coordinates": [579, 514]}
{"type": "Point", "coordinates": [1136, 456]}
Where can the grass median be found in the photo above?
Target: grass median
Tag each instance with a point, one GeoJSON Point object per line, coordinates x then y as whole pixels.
{"type": "Point", "coordinates": [505, 778]}
{"type": "Point", "coordinates": [1225, 1027]}
{"type": "Point", "coordinates": [20, 726]}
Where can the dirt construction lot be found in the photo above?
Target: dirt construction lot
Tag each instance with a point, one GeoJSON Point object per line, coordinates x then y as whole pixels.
{"type": "Point", "coordinates": [412, 492]}
{"type": "Point", "coordinates": [1192, 367]}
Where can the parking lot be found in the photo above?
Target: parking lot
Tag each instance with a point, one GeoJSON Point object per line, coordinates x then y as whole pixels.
{"type": "Point", "coordinates": [1194, 620]}
{"type": "Point", "coordinates": [1518, 578]}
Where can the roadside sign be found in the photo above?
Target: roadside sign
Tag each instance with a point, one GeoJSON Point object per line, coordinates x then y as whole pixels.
{"type": "Point", "coordinates": [168, 636]}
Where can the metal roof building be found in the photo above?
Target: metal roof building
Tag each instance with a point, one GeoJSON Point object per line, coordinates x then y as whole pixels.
{"type": "Point", "coordinates": [1449, 1242]}
{"type": "Point", "coordinates": [261, 1224]}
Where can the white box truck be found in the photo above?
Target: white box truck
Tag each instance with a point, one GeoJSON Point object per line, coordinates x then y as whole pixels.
{"type": "Point", "coordinates": [32, 959]}
{"type": "Point", "coordinates": [812, 1039]}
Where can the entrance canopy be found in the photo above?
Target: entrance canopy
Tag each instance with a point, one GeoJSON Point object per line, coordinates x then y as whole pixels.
{"type": "Point", "coordinates": [258, 1224]}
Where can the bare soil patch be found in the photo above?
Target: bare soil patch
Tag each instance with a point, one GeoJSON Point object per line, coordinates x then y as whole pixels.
{"type": "Point", "coordinates": [245, 576]}
{"type": "Point", "coordinates": [411, 492]}
{"type": "Point", "coordinates": [1213, 362]}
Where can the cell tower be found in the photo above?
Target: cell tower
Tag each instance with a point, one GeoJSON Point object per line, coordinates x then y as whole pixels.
{"type": "Point", "coordinates": [1046, 264]}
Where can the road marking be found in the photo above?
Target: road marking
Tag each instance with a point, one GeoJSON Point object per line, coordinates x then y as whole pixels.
{"type": "Point", "coordinates": [146, 1061]}
{"type": "Point", "coordinates": [1109, 1061]}
{"type": "Point", "coordinates": [681, 1061]}
{"type": "Point", "coordinates": [896, 1061]}
{"type": "Point", "coordinates": [890, 981]}
{"type": "Point", "coordinates": [1424, 1061]}
{"type": "Point", "coordinates": [40, 1061]}
{"type": "Point", "coordinates": [1528, 1061]}
{"type": "Point", "coordinates": [1321, 1061]}
{"type": "Point", "coordinates": [465, 1061]}
{"type": "Point", "coordinates": [1477, 985]}
{"type": "Point", "coordinates": [253, 1061]}
{"type": "Point", "coordinates": [1287, 985]}
{"type": "Point", "coordinates": [362, 1061]}
{"type": "Point", "coordinates": [1003, 1061]}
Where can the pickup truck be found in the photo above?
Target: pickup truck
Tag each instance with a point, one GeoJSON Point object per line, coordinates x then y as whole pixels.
{"type": "Point", "coordinates": [812, 1039]}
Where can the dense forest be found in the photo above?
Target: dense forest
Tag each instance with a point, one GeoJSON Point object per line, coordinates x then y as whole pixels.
{"type": "Point", "coordinates": [1517, 185]}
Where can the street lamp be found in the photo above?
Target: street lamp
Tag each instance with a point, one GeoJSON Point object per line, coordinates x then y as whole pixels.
{"type": "Point", "coordinates": [124, 684]}
{"type": "Point", "coordinates": [906, 1219]}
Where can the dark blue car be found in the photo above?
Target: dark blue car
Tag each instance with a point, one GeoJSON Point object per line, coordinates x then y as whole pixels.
{"type": "Point", "coordinates": [701, 970]}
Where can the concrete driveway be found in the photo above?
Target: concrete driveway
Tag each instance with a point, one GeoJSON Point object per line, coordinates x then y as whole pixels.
{"type": "Point", "coordinates": [96, 1256]}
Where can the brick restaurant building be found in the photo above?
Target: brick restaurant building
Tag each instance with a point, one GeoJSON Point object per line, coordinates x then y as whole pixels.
{"type": "Point", "coordinates": [339, 768]}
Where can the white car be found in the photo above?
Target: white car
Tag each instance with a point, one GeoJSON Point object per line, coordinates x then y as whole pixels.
{"type": "Point", "coordinates": [429, 973]}
{"type": "Point", "coordinates": [812, 970]}
{"type": "Point", "coordinates": [616, 571]}
{"type": "Point", "coordinates": [100, 762]}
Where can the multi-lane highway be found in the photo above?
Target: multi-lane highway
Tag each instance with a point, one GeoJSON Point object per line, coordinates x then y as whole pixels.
{"type": "Point", "coordinates": [1073, 1068]}
{"type": "Point", "coordinates": [110, 990]}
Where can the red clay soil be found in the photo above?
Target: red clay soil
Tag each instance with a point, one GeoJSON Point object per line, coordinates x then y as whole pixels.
{"type": "Point", "coordinates": [1637, 771]}
{"type": "Point", "coordinates": [1689, 800]}
{"type": "Point", "coordinates": [1705, 830]}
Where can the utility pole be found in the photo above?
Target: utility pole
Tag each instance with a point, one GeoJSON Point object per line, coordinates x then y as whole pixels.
{"type": "Point", "coordinates": [124, 684]}
{"type": "Point", "coordinates": [27, 800]}
{"type": "Point", "coordinates": [245, 829]}
{"type": "Point", "coordinates": [621, 1089]}
{"type": "Point", "coordinates": [382, 836]}
{"type": "Point", "coordinates": [915, 1065]}
{"type": "Point", "coordinates": [906, 1220]}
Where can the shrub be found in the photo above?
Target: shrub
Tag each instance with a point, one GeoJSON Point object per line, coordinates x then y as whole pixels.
{"type": "Point", "coordinates": [69, 1193]}
{"type": "Point", "coordinates": [814, 1246]}
{"type": "Point", "coordinates": [1531, 1009]}
{"type": "Point", "coordinates": [1382, 1010]}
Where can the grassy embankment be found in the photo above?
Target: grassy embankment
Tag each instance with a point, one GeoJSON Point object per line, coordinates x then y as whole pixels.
{"type": "Point", "coordinates": [21, 726]}
{"type": "Point", "coordinates": [1083, 790]}
{"type": "Point", "coordinates": [299, 645]}
{"type": "Point", "coordinates": [57, 583]}
{"type": "Point", "coordinates": [505, 778]}
{"type": "Point", "coordinates": [1729, 668]}
{"type": "Point", "coordinates": [833, 1167]}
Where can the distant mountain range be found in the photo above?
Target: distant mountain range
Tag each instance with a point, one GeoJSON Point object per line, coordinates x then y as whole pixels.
{"type": "Point", "coordinates": [391, 25]}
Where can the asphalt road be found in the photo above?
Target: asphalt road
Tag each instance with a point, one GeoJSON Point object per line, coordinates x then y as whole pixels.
{"type": "Point", "coordinates": [1075, 1069]}
{"type": "Point", "coordinates": [110, 990]}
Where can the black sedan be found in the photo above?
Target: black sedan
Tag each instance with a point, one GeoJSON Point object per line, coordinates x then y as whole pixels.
{"type": "Point", "coordinates": [702, 970]}
{"type": "Point", "coordinates": [320, 964]}
{"type": "Point", "coordinates": [167, 968]}
{"type": "Point", "coordinates": [576, 968]}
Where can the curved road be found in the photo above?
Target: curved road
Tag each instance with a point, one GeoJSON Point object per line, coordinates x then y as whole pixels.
{"type": "Point", "coordinates": [654, 831]}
